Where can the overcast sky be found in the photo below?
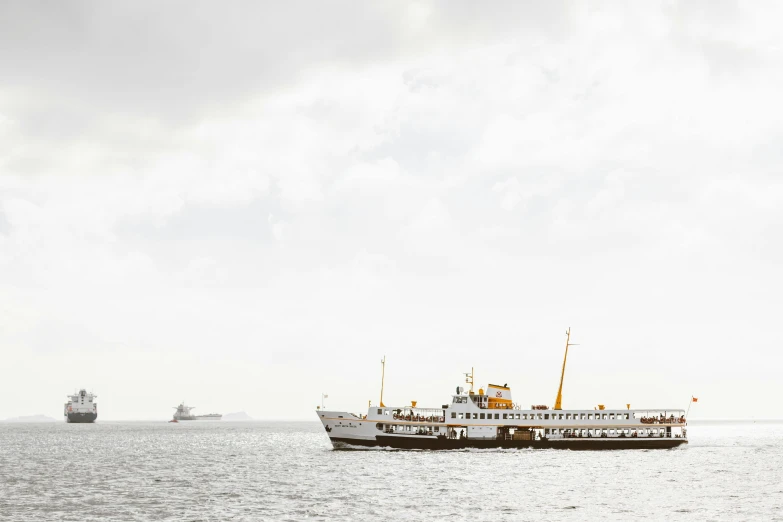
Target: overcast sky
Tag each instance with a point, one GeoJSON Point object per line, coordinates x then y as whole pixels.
{"type": "Point", "coordinates": [246, 204]}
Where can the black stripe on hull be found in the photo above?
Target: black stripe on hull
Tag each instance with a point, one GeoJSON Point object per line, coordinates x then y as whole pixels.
{"type": "Point", "coordinates": [82, 418]}
{"type": "Point", "coordinates": [436, 443]}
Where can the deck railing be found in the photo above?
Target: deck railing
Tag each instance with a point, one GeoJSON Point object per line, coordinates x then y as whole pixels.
{"type": "Point", "coordinates": [418, 417]}
{"type": "Point", "coordinates": [664, 420]}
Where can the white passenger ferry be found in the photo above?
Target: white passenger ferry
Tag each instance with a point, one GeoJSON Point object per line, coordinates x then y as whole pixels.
{"type": "Point", "coordinates": [490, 419]}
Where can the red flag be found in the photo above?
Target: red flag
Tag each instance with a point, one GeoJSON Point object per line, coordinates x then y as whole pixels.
{"type": "Point", "coordinates": [695, 399]}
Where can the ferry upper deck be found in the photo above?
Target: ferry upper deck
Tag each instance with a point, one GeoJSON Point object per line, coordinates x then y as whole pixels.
{"type": "Point", "coordinates": [461, 413]}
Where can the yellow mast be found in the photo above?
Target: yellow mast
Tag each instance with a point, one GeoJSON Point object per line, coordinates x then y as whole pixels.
{"type": "Point", "coordinates": [559, 400]}
{"type": "Point", "coordinates": [383, 376]}
{"type": "Point", "coordinates": [470, 379]}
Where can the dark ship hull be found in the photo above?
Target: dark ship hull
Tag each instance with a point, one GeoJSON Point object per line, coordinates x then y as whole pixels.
{"type": "Point", "coordinates": [82, 418]}
{"type": "Point", "coordinates": [442, 443]}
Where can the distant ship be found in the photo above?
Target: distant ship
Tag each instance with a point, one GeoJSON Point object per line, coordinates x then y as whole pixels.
{"type": "Point", "coordinates": [183, 414]}
{"type": "Point", "coordinates": [81, 408]}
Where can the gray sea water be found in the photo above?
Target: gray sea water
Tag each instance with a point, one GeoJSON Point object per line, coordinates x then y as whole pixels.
{"type": "Point", "coordinates": [288, 471]}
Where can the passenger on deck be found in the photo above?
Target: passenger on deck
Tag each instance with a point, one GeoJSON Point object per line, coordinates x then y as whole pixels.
{"type": "Point", "coordinates": [461, 433]}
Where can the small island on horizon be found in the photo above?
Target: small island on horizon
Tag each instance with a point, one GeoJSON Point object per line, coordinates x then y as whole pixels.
{"type": "Point", "coordinates": [237, 416]}
{"type": "Point", "coordinates": [30, 418]}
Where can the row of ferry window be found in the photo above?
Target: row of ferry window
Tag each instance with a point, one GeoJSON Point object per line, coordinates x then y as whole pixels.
{"type": "Point", "coordinates": [544, 416]}
{"type": "Point", "coordinates": [563, 432]}
{"type": "Point", "coordinates": [603, 431]}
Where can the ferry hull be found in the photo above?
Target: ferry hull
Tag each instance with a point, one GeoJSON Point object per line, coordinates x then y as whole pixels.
{"type": "Point", "coordinates": [81, 418]}
{"type": "Point", "coordinates": [436, 443]}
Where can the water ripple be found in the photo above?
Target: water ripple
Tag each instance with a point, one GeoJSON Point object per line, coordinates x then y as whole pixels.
{"type": "Point", "coordinates": [287, 471]}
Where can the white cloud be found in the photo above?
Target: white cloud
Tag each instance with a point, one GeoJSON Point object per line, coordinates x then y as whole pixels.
{"type": "Point", "coordinates": [276, 227]}
{"type": "Point", "coordinates": [445, 181]}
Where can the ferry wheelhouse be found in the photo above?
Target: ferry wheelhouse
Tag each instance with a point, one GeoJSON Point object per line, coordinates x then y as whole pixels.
{"type": "Point", "coordinates": [490, 419]}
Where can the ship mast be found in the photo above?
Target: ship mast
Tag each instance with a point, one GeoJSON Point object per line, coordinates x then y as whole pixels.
{"type": "Point", "coordinates": [559, 400]}
{"type": "Point", "coordinates": [383, 376]}
{"type": "Point", "coordinates": [469, 379]}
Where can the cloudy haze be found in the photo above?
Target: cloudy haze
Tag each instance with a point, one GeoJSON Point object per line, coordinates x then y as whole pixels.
{"type": "Point", "coordinates": [245, 205]}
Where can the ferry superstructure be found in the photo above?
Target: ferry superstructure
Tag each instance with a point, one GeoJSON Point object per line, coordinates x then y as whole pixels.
{"type": "Point", "coordinates": [81, 407]}
{"type": "Point", "coordinates": [490, 419]}
{"type": "Point", "coordinates": [183, 414]}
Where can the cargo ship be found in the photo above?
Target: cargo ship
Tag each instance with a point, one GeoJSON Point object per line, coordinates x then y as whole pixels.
{"type": "Point", "coordinates": [489, 418]}
{"type": "Point", "coordinates": [81, 407]}
{"type": "Point", "coordinates": [183, 414]}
